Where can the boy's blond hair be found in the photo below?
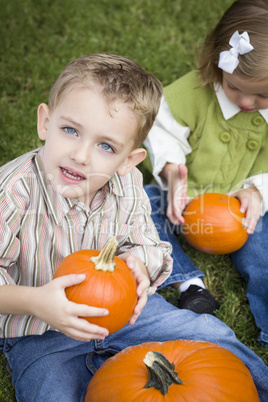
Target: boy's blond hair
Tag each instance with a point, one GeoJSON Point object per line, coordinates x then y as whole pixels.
{"type": "Point", "coordinates": [243, 15]}
{"type": "Point", "coordinates": [117, 78]}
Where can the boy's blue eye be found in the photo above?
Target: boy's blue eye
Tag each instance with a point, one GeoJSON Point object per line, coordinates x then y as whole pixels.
{"type": "Point", "coordinates": [106, 147]}
{"type": "Point", "coordinates": [70, 130]}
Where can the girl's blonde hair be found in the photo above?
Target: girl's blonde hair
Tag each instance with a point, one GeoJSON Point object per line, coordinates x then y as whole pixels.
{"type": "Point", "coordinates": [116, 78]}
{"type": "Point", "coordinates": [243, 15]}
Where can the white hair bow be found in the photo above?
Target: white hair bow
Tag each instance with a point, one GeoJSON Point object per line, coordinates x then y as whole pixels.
{"type": "Point", "coordinates": [240, 45]}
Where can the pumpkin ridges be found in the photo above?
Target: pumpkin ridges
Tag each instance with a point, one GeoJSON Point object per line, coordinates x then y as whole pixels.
{"type": "Point", "coordinates": [130, 361]}
{"type": "Point", "coordinates": [117, 298]}
{"type": "Point", "coordinates": [198, 369]}
{"type": "Point", "coordinates": [116, 291]}
{"type": "Point", "coordinates": [214, 224]}
{"type": "Point", "coordinates": [107, 283]}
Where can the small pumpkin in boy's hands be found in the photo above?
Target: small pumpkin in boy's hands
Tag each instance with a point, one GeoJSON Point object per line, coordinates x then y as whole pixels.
{"type": "Point", "coordinates": [172, 371]}
{"type": "Point", "coordinates": [109, 284]}
{"type": "Point", "coordinates": [214, 224]}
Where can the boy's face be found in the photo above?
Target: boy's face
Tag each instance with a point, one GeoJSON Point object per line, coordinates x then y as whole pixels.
{"type": "Point", "coordinates": [87, 142]}
{"type": "Point", "coordinates": [248, 95]}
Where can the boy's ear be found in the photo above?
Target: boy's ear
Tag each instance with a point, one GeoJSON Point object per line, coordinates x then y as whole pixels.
{"type": "Point", "coordinates": [133, 159]}
{"type": "Point", "coordinates": [42, 121]}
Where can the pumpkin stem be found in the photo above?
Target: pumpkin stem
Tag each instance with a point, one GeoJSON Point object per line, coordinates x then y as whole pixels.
{"type": "Point", "coordinates": [161, 372]}
{"type": "Point", "coordinates": [105, 260]}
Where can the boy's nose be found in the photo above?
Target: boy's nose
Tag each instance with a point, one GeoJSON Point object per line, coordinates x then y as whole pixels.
{"type": "Point", "coordinates": [81, 154]}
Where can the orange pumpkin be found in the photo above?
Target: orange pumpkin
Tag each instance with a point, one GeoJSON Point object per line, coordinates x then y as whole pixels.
{"type": "Point", "coordinates": [172, 371]}
{"type": "Point", "coordinates": [109, 283]}
{"type": "Point", "coordinates": [214, 224]}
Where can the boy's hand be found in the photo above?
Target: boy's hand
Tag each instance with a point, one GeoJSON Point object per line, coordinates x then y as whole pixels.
{"type": "Point", "coordinates": [142, 279]}
{"type": "Point", "coordinates": [250, 200]}
{"type": "Point", "coordinates": [53, 307]}
{"type": "Point", "coordinates": [177, 188]}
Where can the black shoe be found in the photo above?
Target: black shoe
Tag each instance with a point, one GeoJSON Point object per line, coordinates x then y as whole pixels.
{"type": "Point", "coordinates": [198, 300]}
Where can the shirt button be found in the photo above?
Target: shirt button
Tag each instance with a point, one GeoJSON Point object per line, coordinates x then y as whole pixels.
{"type": "Point", "coordinates": [257, 120]}
{"type": "Point", "coordinates": [225, 137]}
{"type": "Point", "coordinates": [252, 145]}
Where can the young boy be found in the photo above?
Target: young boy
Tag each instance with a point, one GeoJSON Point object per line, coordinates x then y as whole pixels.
{"type": "Point", "coordinates": [74, 193]}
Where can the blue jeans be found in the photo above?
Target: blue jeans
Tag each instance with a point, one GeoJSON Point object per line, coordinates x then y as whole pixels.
{"type": "Point", "coordinates": [52, 367]}
{"type": "Point", "coordinates": [251, 260]}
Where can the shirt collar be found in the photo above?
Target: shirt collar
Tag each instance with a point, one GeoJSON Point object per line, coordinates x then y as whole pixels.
{"type": "Point", "coordinates": [228, 108]}
{"type": "Point", "coordinates": [58, 205]}
{"type": "Point", "coordinates": [116, 185]}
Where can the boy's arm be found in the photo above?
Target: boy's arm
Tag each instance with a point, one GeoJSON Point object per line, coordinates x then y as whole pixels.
{"type": "Point", "coordinates": [142, 278]}
{"type": "Point", "coordinates": [143, 242]}
{"type": "Point", "coordinates": [50, 304]}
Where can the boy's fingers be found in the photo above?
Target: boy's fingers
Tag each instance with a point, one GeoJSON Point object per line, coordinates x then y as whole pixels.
{"type": "Point", "coordinates": [70, 280]}
{"type": "Point", "coordinates": [90, 311]}
{"type": "Point", "coordinates": [139, 307]}
{"type": "Point", "coordinates": [85, 333]}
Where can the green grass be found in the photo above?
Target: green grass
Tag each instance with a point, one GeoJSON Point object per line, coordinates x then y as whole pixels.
{"type": "Point", "coordinates": [38, 38]}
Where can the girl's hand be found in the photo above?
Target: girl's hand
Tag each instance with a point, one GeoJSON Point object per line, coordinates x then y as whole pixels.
{"type": "Point", "coordinates": [51, 305]}
{"type": "Point", "coordinates": [177, 188]}
{"type": "Point", "coordinates": [250, 200]}
{"type": "Point", "coordinates": [143, 282]}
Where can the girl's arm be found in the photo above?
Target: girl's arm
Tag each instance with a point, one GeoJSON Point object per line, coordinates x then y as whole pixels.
{"type": "Point", "coordinates": [167, 145]}
{"type": "Point", "coordinates": [176, 176]}
{"type": "Point", "coordinates": [259, 181]}
{"type": "Point", "coordinates": [167, 142]}
{"type": "Point", "coordinates": [250, 199]}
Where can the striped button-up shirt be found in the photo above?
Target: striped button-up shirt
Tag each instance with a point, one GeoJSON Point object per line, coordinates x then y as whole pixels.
{"type": "Point", "coordinates": [38, 228]}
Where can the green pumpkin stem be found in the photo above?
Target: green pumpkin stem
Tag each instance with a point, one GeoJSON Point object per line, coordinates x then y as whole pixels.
{"type": "Point", "coordinates": [161, 372]}
{"type": "Point", "coordinates": [105, 260]}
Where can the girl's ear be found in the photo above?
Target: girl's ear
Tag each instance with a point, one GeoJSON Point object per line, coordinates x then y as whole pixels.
{"type": "Point", "coordinates": [42, 121]}
{"type": "Point", "coordinates": [133, 159]}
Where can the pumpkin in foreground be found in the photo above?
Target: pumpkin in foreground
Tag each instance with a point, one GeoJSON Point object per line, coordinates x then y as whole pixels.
{"type": "Point", "coordinates": [214, 224]}
{"type": "Point", "coordinates": [109, 283]}
{"type": "Point", "coordinates": [172, 371]}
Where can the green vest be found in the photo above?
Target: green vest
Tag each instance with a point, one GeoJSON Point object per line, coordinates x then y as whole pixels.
{"type": "Point", "coordinates": [224, 152]}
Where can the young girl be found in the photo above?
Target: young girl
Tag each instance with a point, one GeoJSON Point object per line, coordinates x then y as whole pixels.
{"type": "Point", "coordinates": [211, 135]}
